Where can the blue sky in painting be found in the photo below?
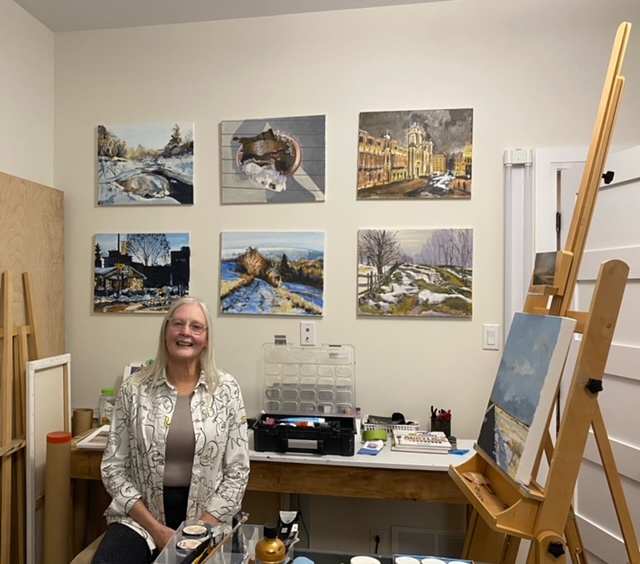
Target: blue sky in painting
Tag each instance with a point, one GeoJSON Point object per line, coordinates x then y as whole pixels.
{"type": "Point", "coordinates": [525, 363]}
{"type": "Point", "coordinates": [151, 136]}
{"type": "Point", "coordinates": [109, 241]}
{"type": "Point", "coordinates": [310, 240]}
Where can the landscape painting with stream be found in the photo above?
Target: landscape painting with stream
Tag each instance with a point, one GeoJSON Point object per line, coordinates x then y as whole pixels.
{"type": "Point", "coordinates": [145, 164]}
{"type": "Point", "coordinates": [277, 273]}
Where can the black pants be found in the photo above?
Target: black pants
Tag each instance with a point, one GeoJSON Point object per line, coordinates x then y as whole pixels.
{"type": "Point", "coordinates": [122, 545]}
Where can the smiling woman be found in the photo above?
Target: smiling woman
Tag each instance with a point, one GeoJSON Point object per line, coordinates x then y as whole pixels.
{"type": "Point", "coordinates": [178, 444]}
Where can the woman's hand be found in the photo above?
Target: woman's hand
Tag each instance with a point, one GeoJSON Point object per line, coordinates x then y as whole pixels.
{"type": "Point", "coordinates": [159, 532]}
{"type": "Point", "coordinates": [162, 535]}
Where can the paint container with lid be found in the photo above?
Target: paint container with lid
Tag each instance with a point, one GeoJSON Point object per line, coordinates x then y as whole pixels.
{"type": "Point", "coordinates": [270, 549]}
{"type": "Point", "coordinates": [106, 404]}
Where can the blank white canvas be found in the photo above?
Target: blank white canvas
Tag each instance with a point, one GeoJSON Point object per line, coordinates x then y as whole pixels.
{"type": "Point", "coordinates": [48, 410]}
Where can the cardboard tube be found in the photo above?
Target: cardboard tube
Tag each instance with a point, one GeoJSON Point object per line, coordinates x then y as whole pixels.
{"type": "Point", "coordinates": [82, 421]}
{"type": "Point", "coordinates": [57, 484]}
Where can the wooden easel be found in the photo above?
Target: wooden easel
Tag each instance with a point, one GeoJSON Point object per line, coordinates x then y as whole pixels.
{"type": "Point", "coordinates": [13, 428]}
{"type": "Point", "coordinates": [505, 512]}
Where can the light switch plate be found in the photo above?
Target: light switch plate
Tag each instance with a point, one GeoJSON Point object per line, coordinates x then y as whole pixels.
{"type": "Point", "coordinates": [491, 337]}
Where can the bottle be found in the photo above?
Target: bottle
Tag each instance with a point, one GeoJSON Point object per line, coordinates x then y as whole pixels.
{"type": "Point", "coordinates": [270, 549]}
{"type": "Point", "coordinates": [106, 405]}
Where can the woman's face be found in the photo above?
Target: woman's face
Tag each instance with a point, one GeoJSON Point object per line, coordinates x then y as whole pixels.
{"type": "Point", "coordinates": [186, 333]}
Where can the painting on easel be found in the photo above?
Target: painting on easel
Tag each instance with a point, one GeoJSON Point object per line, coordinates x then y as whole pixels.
{"type": "Point", "coordinates": [524, 391]}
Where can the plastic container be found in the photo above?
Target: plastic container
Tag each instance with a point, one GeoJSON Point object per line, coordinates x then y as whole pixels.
{"type": "Point", "coordinates": [270, 549]}
{"type": "Point", "coordinates": [106, 405]}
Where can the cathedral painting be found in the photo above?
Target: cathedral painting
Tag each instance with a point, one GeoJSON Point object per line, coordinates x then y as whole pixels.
{"type": "Point", "coordinates": [419, 154]}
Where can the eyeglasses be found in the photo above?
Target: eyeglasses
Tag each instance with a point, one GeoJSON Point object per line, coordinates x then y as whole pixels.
{"type": "Point", "coordinates": [179, 325]}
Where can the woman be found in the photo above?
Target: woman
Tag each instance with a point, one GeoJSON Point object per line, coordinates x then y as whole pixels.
{"type": "Point", "coordinates": [178, 445]}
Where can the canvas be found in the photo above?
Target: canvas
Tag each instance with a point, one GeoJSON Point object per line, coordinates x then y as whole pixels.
{"type": "Point", "coordinates": [142, 165]}
{"type": "Point", "coordinates": [524, 391]}
{"type": "Point", "coordinates": [274, 160]}
{"type": "Point", "coordinates": [419, 154]}
{"type": "Point", "coordinates": [272, 272]}
{"type": "Point", "coordinates": [140, 272]}
{"type": "Point", "coordinates": [415, 272]}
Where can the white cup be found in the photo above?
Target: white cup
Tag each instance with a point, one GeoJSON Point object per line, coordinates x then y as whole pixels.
{"type": "Point", "coordinates": [364, 560]}
{"type": "Point", "coordinates": [406, 560]}
{"type": "Point", "coordinates": [432, 561]}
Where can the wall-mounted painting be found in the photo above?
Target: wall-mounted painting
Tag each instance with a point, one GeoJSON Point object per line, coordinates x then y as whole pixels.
{"type": "Point", "coordinates": [420, 154]}
{"type": "Point", "coordinates": [272, 273]}
{"type": "Point", "coordinates": [140, 272]}
{"type": "Point", "coordinates": [275, 160]}
{"type": "Point", "coordinates": [145, 164]}
{"type": "Point", "coordinates": [415, 272]}
{"type": "Point", "coordinates": [517, 416]}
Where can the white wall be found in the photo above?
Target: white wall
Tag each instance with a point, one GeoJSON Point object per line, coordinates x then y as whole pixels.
{"type": "Point", "coordinates": [532, 72]}
{"type": "Point", "coordinates": [533, 75]}
{"type": "Point", "coordinates": [26, 95]}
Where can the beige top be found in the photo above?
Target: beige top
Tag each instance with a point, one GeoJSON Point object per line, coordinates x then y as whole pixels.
{"type": "Point", "coordinates": [181, 445]}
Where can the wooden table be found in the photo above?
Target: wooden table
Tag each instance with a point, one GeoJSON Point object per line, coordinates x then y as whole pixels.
{"type": "Point", "coordinates": [388, 475]}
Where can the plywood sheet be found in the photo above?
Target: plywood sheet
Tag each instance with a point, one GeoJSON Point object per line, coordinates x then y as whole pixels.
{"type": "Point", "coordinates": [32, 235]}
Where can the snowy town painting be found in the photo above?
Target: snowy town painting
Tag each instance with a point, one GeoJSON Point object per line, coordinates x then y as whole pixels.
{"type": "Point", "coordinates": [145, 164]}
{"type": "Point", "coordinates": [415, 272]}
{"type": "Point", "coordinates": [272, 273]}
{"type": "Point", "coordinates": [420, 154]}
{"type": "Point", "coordinates": [274, 160]}
{"type": "Point", "coordinates": [517, 415]}
{"type": "Point", "coordinates": [140, 272]}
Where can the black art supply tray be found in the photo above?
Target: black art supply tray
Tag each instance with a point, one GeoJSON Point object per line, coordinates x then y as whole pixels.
{"type": "Point", "coordinates": [336, 437]}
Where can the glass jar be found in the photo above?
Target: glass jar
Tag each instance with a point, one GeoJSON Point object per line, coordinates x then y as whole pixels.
{"type": "Point", "coordinates": [106, 405]}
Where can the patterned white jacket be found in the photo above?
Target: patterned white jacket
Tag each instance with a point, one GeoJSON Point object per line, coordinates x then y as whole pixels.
{"type": "Point", "coordinates": [134, 461]}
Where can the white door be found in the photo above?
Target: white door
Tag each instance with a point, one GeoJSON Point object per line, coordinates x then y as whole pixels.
{"type": "Point", "coordinates": [614, 234]}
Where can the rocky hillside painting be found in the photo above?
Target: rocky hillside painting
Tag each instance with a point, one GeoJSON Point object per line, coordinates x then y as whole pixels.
{"type": "Point", "coordinates": [145, 164]}
{"type": "Point", "coordinates": [415, 272]}
{"type": "Point", "coordinates": [272, 273]}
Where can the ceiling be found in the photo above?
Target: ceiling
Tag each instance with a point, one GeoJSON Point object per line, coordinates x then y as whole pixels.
{"type": "Point", "coordinates": [79, 15]}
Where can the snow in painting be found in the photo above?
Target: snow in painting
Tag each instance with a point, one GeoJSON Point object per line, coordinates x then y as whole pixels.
{"type": "Point", "coordinates": [415, 272]}
{"type": "Point", "coordinates": [524, 391]}
{"type": "Point", "coordinates": [272, 273]}
{"type": "Point", "coordinates": [145, 164]}
{"type": "Point", "coordinates": [140, 272]}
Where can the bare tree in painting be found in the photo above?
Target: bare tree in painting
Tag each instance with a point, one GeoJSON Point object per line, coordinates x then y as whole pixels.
{"type": "Point", "coordinates": [379, 247]}
{"type": "Point", "coordinates": [463, 243]}
{"type": "Point", "coordinates": [448, 247]}
{"type": "Point", "coordinates": [149, 248]}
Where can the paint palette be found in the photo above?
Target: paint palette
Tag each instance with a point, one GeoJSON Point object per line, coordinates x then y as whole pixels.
{"type": "Point", "coordinates": [189, 544]}
{"type": "Point", "coordinates": [195, 530]}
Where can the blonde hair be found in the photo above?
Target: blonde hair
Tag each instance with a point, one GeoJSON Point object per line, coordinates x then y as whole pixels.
{"type": "Point", "coordinates": [207, 357]}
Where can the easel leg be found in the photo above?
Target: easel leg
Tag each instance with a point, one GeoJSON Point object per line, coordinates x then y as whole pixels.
{"type": "Point", "coordinates": [6, 423]}
{"type": "Point", "coordinates": [615, 486]}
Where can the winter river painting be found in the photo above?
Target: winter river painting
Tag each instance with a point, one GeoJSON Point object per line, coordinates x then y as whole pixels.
{"type": "Point", "coordinates": [272, 273]}
{"type": "Point", "coordinates": [415, 272]}
{"type": "Point", "coordinates": [145, 164]}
